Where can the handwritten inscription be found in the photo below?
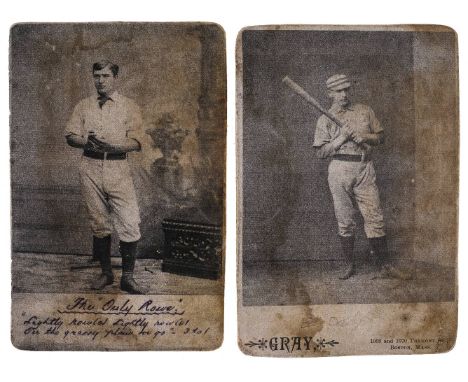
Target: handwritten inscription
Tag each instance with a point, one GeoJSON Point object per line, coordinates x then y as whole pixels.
{"type": "Point", "coordinates": [113, 318]}
{"type": "Point", "coordinates": [82, 305]}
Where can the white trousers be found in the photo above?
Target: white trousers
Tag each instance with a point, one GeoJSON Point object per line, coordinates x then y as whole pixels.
{"type": "Point", "coordinates": [109, 194]}
{"type": "Point", "coordinates": [354, 183]}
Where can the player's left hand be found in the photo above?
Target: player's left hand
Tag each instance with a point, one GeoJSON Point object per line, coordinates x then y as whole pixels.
{"type": "Point", "coordinates": [358, 138]}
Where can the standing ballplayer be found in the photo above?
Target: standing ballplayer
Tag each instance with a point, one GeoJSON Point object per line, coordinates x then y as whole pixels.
{"type": "Point", "coordinates": [107, 126]}
{"type": "Point", "coordinates": [351, 174]}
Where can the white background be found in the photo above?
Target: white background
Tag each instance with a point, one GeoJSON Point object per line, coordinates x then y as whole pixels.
{"type": "Point", "coordinates": [228, 362]}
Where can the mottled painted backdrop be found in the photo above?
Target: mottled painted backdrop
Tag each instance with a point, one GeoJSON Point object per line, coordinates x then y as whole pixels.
{"type": "Point", "coordinates": [175, 73]}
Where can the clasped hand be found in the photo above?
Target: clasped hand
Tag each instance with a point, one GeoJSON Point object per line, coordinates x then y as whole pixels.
{"type": "Point", "coordinates": [352, 135]}
{"type": "Point", "coordinates": [99, 145]}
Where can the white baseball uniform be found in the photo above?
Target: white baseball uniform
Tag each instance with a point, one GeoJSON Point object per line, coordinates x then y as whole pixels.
{"type": "Point", "coordinates": [107, 185]}
{"type": "Point", "coordinates": [351, 181]}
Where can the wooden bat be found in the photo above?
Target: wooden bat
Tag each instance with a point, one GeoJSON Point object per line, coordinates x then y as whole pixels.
{"type": "Point", "coordinates": [299, 90]}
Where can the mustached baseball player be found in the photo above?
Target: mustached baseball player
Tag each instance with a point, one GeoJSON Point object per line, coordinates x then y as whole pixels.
{"type": "Point", "coordinates": [107, 126]}
{"type": "Point", "coordinates": [351, 174]}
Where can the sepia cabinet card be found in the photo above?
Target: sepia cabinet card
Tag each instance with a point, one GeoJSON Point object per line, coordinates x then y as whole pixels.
{"type": "Point", "coordinates": [117, 178]}
{"type": "Point", "coordinates": [347, 147]}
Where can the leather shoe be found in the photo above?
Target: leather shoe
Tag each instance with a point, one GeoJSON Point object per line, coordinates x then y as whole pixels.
{"type": "Point", "coordinates": [102, 282]}
{"type": "Point", "coordinates": [348, 272]}
{"type": "Point", "coordinates": [394, 273]}
{"type": "Point", "coordinates": [128, 284]}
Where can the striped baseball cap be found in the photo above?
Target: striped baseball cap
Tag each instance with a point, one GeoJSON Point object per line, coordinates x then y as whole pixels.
{"type": "Point", "coordinates": [338, 82]}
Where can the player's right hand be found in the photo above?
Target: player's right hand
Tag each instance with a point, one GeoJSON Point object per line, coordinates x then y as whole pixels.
{"type": "Point", "coordinates": [346, 131]}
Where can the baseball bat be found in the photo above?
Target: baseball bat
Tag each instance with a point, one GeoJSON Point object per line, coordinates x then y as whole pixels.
{"type": "Point", "coordinates": [299, 90]}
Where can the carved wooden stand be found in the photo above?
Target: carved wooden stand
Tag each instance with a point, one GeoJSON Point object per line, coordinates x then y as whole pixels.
{"type": "Point", "coordinates": [192, 249]}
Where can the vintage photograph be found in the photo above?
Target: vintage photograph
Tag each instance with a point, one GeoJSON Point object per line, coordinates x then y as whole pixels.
{"type": "Point", "coordinates": [347, 182]}
{"type": "Point", "coordinates": [118, 181]}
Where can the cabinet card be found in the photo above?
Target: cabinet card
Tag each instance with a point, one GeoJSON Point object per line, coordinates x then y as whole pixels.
{"type": "Point", "coordinates": [348, 142]}
{"type": "Point", "coordinates": [117, 175]}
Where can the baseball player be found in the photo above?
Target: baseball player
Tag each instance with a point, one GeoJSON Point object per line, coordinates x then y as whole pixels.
{"type": "Point", "coordinates": [106, 127]}
{"type": "Point", "coordinates": [351, 174]}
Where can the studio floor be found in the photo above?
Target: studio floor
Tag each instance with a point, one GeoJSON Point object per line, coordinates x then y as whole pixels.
{"type": "Point", "coordinates": [53, 273]}
{"type": "Point", "coordinates": [317, 282]}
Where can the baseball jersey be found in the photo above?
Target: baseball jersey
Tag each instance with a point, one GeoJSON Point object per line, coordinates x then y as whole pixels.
{"type": "Point", "coordinates": [360, 119]}
{"type": "Point", "coordinates": [119, 118]}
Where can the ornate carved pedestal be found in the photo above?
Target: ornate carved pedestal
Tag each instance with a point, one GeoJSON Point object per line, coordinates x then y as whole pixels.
{"type": "Point", "coordinates": [192, 249]}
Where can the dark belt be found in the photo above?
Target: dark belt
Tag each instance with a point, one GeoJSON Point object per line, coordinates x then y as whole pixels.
{"type": "Point", "coordinates": [347, 157]}
{"type": "Point", "coordinates": [107, 156]}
